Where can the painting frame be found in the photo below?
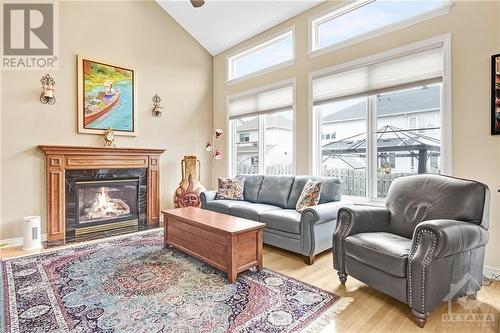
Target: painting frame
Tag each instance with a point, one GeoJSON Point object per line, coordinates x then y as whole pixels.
{"type": "Point", "coordinates": [81, 128]}
{"type": "Point", "coordinates": [495, 94]}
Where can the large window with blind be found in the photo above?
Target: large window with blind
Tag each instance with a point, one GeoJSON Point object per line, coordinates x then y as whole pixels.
{"type": "Point", "coordinates": [262, 131]}
{"type": "Point", "coordinates": [387, 115]}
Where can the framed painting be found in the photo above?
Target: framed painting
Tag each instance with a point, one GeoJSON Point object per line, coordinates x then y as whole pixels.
{"type": "Point", "coordinates": [106, 98]}
{"type": "Point", "coordinates": [495, 94]}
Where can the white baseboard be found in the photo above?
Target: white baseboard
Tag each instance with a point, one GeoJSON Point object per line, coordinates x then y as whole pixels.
{"type": "Point", "coordinates": [491, 272]}
{"type": "Point", "coordinates": [18, 241]}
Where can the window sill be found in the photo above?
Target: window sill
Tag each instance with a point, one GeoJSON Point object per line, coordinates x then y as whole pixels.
{"type": "Point", "coordinates": [261, 72]}
{"type": "Point", "coordinates": [380, 202]}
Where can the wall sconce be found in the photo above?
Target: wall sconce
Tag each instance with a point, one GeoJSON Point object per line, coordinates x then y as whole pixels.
{"type": "Point", "coordinates": [210, 144]}
{"type": "Point", "coordinates": [157, 107]}
{"type": "Point", "coordinates": [48, 96]}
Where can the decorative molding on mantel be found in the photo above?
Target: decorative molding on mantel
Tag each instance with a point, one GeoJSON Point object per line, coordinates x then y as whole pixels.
{"type": "Point", "coordinates": [61, 150]}
{"type": "Point", "coordinates": [62, 158]}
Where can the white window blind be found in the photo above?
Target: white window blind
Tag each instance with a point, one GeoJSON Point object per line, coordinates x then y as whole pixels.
{"type": "Point", "coordinates": [376, 77]}
{"type": "Point", "coordinates": [278, 99]}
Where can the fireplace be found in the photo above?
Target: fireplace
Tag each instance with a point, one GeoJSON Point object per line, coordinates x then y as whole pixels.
{"type": "Point", "coordinates": [95, 190]}
{"type": "Point", "coordinates": [106, 204]}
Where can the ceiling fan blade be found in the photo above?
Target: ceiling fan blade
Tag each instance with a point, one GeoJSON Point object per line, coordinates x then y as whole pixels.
{"type": "Point", "coordinates": [197, 3]}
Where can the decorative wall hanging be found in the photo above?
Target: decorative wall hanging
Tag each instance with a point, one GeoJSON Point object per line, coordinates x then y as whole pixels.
{"type": "Point", "coordinates": [495, 94]}
{"type": "Point", "coordinates": [210, 144]}
{"type": "Point", "coordinates": [157, 110]}
{"type": "Point", "coordinates": [106, 98]}
{"type": "Point", "coordinates": [48, 96]}
{"type": "Point", "coordinates": [188, 192]}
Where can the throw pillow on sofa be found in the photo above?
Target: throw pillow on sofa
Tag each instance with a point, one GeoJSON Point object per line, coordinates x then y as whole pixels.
{"type": "Point", "coordinates": [310, 195]}
{"type": "Point", "coordinates": [230, 188]}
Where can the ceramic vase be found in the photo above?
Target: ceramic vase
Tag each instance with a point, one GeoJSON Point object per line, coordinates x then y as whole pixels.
{"type": "Point", "coordinates": [188, 192]}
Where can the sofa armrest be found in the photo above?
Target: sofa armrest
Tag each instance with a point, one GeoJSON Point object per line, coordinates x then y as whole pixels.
{"type": "Point", "coordinates": [207, 196]}
{"type": "Point", "coordinates": [439, 246]}
{"type": "Point", "coordinates": [323, 213]}
{"type": "Point", "coordinates": [353, 220]}
{"type": "Point", "coordinates": [449, 237]}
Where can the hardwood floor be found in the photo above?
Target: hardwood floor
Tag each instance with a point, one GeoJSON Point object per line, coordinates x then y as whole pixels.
{"type": "Point", "coordinates": [370, 311]}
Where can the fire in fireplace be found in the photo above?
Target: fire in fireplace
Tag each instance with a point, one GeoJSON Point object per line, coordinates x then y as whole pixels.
{"type": "Point", "coordinates": [106, 204]}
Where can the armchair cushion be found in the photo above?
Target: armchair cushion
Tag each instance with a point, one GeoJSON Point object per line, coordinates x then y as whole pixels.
{"type": "Point", "coordinates": [384, 251]}
{"type": "Point", "coordinates": [282, 219]}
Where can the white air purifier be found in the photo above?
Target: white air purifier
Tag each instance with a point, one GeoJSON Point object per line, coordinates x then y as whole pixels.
{"type": "Point", "coordinates": [32, 233]}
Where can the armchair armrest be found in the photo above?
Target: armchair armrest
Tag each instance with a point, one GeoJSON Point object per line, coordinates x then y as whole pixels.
{"type": "Point", "coordinates": [207, 196]}
{"type": "Point", "coordinates": [353, 220]}
{"type": "Point", "coordinates": [438, 248]}
{"type": "Point", "coordinates": [450, 237]}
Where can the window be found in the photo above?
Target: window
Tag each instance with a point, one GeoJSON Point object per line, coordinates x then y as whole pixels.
{"type": "Point", "coordinates": [387, 121]}
{"type": "Point", "coordinates": [262, 130]}
{"type": "Point", "coordinates": [244, 136]}
{"type": "Point", "coordinates": [367, 18]}
{"type": "Point", "coordinates": [273, 52]}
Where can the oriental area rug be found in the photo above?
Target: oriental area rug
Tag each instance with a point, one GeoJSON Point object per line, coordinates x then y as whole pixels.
{"type": "Point", "coordinates": [133, 284]}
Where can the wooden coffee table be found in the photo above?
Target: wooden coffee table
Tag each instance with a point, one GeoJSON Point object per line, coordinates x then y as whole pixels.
{"type": "Point", "coordinates": [230, 243]}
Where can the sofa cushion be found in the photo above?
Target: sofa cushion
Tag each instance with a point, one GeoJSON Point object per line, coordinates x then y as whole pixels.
{"type": "Point", "coordinates": [222, 206]}
{"type": "Point", "coordinates": [384, 251]}
{"type": "Point", "coordinates": [252, 186]}
{"type": "Point", "coordinates": [251, 211]}
{"type": "Point", "coordinates": [275, 190]}
{"type": "Point", "coordinates": [287, 220]}
{"type": "Point", "coordinates": [331, 189]}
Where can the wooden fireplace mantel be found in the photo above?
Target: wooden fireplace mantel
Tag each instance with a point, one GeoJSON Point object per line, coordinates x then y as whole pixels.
{"type": "Point", "coordinates": [62, 158]}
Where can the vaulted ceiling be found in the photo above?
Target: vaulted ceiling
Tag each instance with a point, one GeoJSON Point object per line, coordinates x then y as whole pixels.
{"type": "Point", "coordinates": [219, 25]}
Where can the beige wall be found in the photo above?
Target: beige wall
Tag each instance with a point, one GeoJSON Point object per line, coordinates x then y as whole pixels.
{"type": "Point", "coordinates": [475, 31]}
{"type": "Point", "coordinates": [167, 61]}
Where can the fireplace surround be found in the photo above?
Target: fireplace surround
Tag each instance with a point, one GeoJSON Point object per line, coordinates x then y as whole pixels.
{"type": "Point", "coordinates": [96, 175]}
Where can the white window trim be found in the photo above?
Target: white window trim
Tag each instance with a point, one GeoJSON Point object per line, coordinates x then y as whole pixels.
{"type": "Point", "coordinates": [337, 10]}
{"type": "Point", "coordinates": [256, 46]}
{"type": "Point", "coordinates": [446, 105]}
{"type": "Point", "coordinates": [229, 144]}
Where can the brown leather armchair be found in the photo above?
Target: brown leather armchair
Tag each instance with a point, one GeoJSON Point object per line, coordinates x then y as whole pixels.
{"type": "Point", "coordinates": [431, 235]}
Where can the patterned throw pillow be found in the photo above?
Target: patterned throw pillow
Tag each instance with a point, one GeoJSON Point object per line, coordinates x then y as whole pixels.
{"type": "Point", "coordinates": [309, 196]}
{"type": "Point", "coordinates": [230, 188]}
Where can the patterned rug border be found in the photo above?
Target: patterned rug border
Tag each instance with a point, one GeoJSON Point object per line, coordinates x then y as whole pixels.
{"type": "Point", "coordinates": [314, 323]}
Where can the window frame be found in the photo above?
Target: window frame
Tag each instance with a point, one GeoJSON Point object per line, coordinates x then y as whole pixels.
{"type": "Point", "coordinates": [371, 156]}
{"type": "Point", "coordinates": [231, 160]}
{"type": "Point", "coordinates": [274, 38]}
{"type": "Point", "coordinates": [341, 9]}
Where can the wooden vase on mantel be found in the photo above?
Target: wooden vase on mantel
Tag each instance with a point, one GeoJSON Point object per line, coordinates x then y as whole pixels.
{"type": "Point", "coordinates": [188, 192]}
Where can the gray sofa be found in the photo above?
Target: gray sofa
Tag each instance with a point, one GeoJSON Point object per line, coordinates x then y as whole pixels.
{"type": "Point", "coordinates": [272, 200]}
{"type": "Point", "coordinates": [427, 245]}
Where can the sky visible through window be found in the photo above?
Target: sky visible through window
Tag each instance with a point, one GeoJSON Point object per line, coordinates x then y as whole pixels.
{"type": "Point", "coordinates": [265, 57]}
{"type": "Point", "coordinates": [370, 17]}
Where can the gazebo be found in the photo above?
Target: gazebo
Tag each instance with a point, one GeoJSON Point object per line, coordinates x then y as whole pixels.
{"type": "Point", "coordinates": [390, 139]}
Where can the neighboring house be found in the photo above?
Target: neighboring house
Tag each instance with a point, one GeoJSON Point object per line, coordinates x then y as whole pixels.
{"type": "Point", "coordinates": [278, 138]}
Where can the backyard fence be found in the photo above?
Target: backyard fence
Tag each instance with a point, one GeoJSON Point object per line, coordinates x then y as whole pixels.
{"type": "Point", "coordinates": [353, 180]}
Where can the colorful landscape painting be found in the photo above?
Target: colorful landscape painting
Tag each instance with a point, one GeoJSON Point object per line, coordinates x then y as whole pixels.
{"type": "Point", "coordinates": [106, 98]}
